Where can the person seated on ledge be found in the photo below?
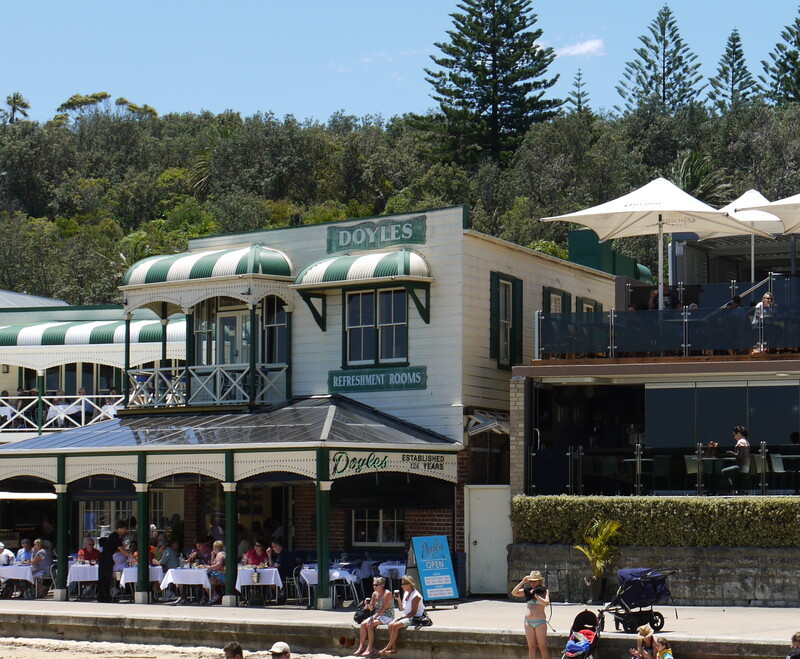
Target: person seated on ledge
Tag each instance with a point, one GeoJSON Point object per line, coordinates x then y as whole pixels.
{"type": "Point", "coordinates": [794, 653]}
{"type": "Point", "coordinates": [663, 651]}
{"type": "Point", "coordinates": [412, 605]}
{"type": "Point", "coordinates": [380, 603]}
{"type": "Point", "coordinates": [644, 643]}
{"type": "Point", "coordinates": [280, 649]}
{"type": "Point", "coordinates": [89, 551]}
{"type": "Point", "coordinates": [233, 651]}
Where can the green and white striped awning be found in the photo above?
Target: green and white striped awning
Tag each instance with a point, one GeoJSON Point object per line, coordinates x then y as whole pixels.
{"type": "Point", "coordinates": [252, 260]}
{"type": "Point", "coordinates": [89, 333]}
{"type": "Point", "coordinates": [402, 265]}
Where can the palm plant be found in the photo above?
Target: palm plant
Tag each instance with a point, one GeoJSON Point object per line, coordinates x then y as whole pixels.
{"type": "Point", "coordinates": [597, 545]}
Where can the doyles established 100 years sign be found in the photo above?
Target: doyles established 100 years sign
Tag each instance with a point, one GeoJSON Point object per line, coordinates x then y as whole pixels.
{"type": "Point", "coordinates": [352, 463]}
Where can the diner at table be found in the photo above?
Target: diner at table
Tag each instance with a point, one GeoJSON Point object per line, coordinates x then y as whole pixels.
{"type": "Point", "coordinates": [89, 552]}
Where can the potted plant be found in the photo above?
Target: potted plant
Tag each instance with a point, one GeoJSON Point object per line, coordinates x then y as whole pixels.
{"type": "Point", "coordinates": [600, 552]}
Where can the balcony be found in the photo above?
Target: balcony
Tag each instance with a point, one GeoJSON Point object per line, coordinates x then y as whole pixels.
{"type": "Point", "coordinates": [26, 414]}
{"type": "Point", "coordinates": [700, 333]}
{"type": "Point", "coordinates": [222, 384]}
{"type": "Point", "coordinates": [663, 471]}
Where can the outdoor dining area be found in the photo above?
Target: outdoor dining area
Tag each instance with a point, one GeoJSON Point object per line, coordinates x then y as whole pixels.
{"type": "Point", "coordinates": [680, 471]}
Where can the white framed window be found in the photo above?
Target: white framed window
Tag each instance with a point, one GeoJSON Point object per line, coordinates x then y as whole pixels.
{"type": "Point", "coordinates": [275, 331]}
{"type": "Point", "coordinates": [376, 327]}
{"type": "Point", "coordinates": [376, 526]}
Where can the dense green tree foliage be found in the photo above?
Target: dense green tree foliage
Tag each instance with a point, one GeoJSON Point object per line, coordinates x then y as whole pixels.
{"type": "Point", "coordinates": [733, 86]}
{"type": "Point", "coordinates": [782, 70]}
{"type": "Point", "coordinates": [491, 79]}
{"type": "Point", "coordinates": [665, 72]}
{"type": "Point", "coordinates": [105, 183]}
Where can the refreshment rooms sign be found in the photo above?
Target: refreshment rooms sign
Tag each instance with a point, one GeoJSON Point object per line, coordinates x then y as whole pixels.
{"type": "Point", "coordinates": [378, 234]}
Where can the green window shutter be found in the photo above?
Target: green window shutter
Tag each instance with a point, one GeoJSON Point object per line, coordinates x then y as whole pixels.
{"type": "Point", "coordinates": [598, 307]}
{"type": "Point", "coordinates": [579, 304]}
{"type": "Point", "coordinates": [494, 323]}
{"type": "Point", "coordinates": [546, 299]}
{"type": "Point", "coordinates": [566, 303]}
{"type": "Point", "coordinates": [516, 323]}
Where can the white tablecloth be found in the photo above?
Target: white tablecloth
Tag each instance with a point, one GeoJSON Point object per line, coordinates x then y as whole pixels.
{"type": "Point", "coordinates": [81, 573]}
{"type": "Point", "coordinates": [387, 567]}
{"type": "Point", "coordinates": [187, 577]}
{"type": "Point", "coordinates": [268, 576]}
{"type": "Point", "coordinates": [131, 575]}
{"type": "Point", "coordinates": [22, 572]}
{"type": "Point", "coordinates": [310, 576]}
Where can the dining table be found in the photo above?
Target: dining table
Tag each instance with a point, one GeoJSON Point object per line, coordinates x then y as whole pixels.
{"type": "Point", "coordinates": [309, 573]}
{"type": "Point", "coordinates": [130, 575]}
{"type": "Point", "coordinates": [20, 572]}
{"type": "Point", "coordinates": [267, 576]}
{"type": "Point", "coordinates": [81, 573]}
{"type": "Point", "coordinates": [186, 577]}
{"type": "Point", "coordinates": [392, 569]}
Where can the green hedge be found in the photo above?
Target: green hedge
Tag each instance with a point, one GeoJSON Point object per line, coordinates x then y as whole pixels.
{"type": "Point", "coordinates": [661, 521]}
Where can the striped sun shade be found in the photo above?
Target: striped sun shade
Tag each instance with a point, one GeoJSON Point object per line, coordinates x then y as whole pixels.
{"type": "Point", "coordinates": [380, 265]}
{"type": "Point", "coordinates": [252, 260]}
{"type": "Point", "coordinates": [88, 333]}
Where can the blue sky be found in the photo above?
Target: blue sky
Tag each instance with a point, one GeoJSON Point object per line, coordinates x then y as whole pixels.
{"type": "Point", "coordinates": [313, 57]}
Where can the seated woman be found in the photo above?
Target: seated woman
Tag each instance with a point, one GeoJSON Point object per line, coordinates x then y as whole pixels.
{"type": "Point", "coordinates": [257, 555]}
{"type": "Point", "coordinates": [412, 605]}
{"type": "Point", "coordinates": [380, 603]}
{"type": "Point", "coordinates": [645, 644]}
{"type": "Point", "coordinates": [216, 572]}
{"type": "Point", "coordinates": [41, 561]}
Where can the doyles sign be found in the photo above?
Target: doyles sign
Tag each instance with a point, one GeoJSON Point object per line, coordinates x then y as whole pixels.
{"type": "Point", "coordinates": [352, 463]}
{"type": "Point", "coordinates": [401, 378]}
{"type": "Point", "coordinates": [375, 235]}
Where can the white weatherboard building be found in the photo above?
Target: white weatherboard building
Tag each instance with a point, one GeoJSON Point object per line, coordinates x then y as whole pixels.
{"type": "Point", "coordinates": [349, 379]}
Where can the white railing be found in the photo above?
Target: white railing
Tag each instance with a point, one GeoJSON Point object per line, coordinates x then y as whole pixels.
{"type": "Point", "coordinates": [21, 413]}
{"type": "Point", "coordinates": [221, 384]}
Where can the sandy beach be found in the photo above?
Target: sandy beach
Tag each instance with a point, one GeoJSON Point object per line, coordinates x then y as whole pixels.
{"type": "Point", "coordinates": [28, 648]}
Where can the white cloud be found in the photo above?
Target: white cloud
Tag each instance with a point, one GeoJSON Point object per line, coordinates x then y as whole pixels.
{"type": "Point", "coordinates": [589, 48]}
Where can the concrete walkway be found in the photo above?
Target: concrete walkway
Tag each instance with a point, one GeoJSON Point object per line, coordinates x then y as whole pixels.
{"type": "Point", "coordinates": [476, 628]}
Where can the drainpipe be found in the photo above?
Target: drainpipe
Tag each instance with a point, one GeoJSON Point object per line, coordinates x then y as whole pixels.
{"type": "Point", "coordinates": [323, 527]}
{"type": "Point", "coordinates": [253, 350]}
{"type": "Point", "coordinates": [40, 402]}
{"type": "Point", "coordinates": [126, 383]}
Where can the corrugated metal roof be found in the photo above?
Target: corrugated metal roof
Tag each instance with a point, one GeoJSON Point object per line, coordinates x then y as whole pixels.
{"type": "Point", "coordinates": [378, 265]}
{"type": "Point", "coordinates": [297, 422]}
{"type": "Point", "coordinates": [89, 333]}
{"type": "Point", "coordinates": [12, 300]}
{"type": "Point", "coordinates": [187, 266]}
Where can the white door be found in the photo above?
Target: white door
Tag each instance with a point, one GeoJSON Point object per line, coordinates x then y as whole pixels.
{"type": "Point", "coordinates": [488, 509]}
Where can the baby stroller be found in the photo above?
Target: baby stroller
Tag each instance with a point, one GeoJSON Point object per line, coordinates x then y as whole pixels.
{"type": "Point", "coordinates": [638, 588]}
{"type": "Point", "coordinates": [583, 637]}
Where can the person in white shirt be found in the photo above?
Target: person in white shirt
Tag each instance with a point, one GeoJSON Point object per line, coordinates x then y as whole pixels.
{"type": "Point", "coordinates": [412, 606]}
{"type": "Point", "coordinates": [6, 556]}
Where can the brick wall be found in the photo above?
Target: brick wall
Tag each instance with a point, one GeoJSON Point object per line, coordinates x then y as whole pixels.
{"type": "Point", "coordinates": [305, 520]}
{"type": "Point", "coordinates": [430, 522]}
{"type": "Point", "coordinates": [193, 512]}
{"type": "Point", "coordinates": [706, 576]}
{"type": "Point", "coordinates": [517, 436]}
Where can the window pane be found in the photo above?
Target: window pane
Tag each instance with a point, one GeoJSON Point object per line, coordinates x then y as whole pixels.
{"type": "Point", "coordinates": [87, 377]}
{"type": "Point", "coordinates": [400, 307]}
{"type": "Point", "coordinates": [367, 308]}
{"type": "Point", "coordinates": [385, 315]}
{"type": "Point", "coordinates": [370, 344]}
{"type": "Point", "coordinates": [354, 351]}
{"type": "Point", "coordinates": [353, 310]}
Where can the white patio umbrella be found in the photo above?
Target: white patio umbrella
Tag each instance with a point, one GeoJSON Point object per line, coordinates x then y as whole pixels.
{"type": "Point", "coordinates": [761, 219]}
{"type": "Point", "coordinates": [787, 210]}
{"type": "Point", "coordinates": [646, 211]}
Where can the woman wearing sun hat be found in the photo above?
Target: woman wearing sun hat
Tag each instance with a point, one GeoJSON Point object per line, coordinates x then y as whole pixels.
{"type": "Point", "coordinates": [645, 647]}
{"type": "Point", "coordinates": [536, 598]}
